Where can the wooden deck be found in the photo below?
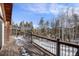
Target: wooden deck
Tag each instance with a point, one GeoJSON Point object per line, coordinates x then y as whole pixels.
{"type": "Point", "coordinates": [11, 49]}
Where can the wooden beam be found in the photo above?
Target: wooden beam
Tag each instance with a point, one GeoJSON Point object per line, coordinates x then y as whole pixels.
{"type": "Point", "coordinates": [8, 11]}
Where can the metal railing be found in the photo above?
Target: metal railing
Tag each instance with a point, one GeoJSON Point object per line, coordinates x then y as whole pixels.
{"type": "Point", "coordinates": [56, 47]}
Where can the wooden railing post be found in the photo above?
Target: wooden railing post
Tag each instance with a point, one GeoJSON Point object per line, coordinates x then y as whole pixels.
{"type": "Point", "coordinates": [58, 48]}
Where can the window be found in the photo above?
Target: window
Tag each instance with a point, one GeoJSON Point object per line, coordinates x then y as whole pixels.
{"type": "Point", "coordinates": [1, 29]}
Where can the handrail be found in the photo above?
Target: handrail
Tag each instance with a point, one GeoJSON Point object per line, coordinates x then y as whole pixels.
{"type": "Point", "coordinates": [69, 44]}
{"type": "Point", "coordinates": [44, 37]}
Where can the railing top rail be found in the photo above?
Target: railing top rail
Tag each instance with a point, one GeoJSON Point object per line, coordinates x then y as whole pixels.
{"type": "Point", "coordinates": [69, 44]}
{"type": "Point", "coordinates": [44, 37]}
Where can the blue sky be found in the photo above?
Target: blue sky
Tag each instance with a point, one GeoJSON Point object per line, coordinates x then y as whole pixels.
{"type": "Point", "coordinates": [34, 11]}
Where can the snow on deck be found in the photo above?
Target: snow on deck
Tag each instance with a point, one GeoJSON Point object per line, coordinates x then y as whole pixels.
{"type": "Point", "coordinates": [20, 42]}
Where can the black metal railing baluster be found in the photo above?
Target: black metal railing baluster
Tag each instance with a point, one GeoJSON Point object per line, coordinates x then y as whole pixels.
{"type": "Point", "coordinates": [72, 51]}
{"type": "Point", "coordinates": [62, 50]}
{"type": "Point", "coordinates": [65, 49]}
{"type": "Point", "coordinates": [69, 51]}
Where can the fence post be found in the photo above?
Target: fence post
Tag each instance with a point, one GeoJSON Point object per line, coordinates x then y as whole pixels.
{"type": "Point", "coordinates": [58, 48]}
